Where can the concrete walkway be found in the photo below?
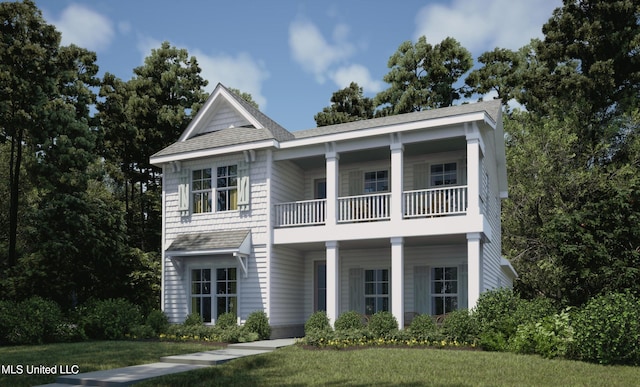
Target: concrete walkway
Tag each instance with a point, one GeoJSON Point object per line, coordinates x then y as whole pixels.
{"type": "Point", "coordinates": [169, 365]}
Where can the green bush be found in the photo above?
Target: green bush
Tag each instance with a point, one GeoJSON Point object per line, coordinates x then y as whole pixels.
{"type": "Point", "coordinates": [461, 326]}
{"type": "Point", "coordinates": [193, 319]}
{"type": "Point", "coordinates": [607, 330]}
{"type": "Point", "coordinates": [142, 332]}
{"type": "Point", "coordinates": [32, 321]}
{"type": "Point", "coordinates": [110, 319]}
{"type": "Point", "coordinates": [349, 320]}
{"type": "Point", "coordinates": [551, 337]}
{"type": "Point", "coordinates": [423, 327]}
{"type": "Point", "coordinates": [158, 321]}
{"type": "Point", "coordinates": [227, 320]}
{"type": "Point", "coordinates": [258, 322]}
{"type": "Point", "coordinates": [318, 321]}
{"type": "Point", "coordinates": [383, 324]}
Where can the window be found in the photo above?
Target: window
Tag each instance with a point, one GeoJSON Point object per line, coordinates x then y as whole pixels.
{"type": "Point", "coordinates": [201, 188]}
{"type": "Point", "coordinates": [376, 291]}
{"type": "Point", "coordinates": [226, 291]}
{"type": "Point", "coordinates": [444, 174]}
{"type": "Point", "coordinates": [376, 181]}
{"type": "Point", "coordinates": [227, 188]}
{"type": "Point", "coordinates": [201, 293]}
{"type": "Point", "coordinates": [320, 188]}
{"type": "Point", "coordinates": [444, 289]}
{"type": "Point", "coordinates": [320, 291]}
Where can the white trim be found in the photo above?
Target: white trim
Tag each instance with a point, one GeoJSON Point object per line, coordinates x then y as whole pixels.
{"type": "Point", "coordinates": [190, 155]}
{"type": "Point", "coordinates": [163, 240]}
{"type": "Point", "coordinates": [505, 264]}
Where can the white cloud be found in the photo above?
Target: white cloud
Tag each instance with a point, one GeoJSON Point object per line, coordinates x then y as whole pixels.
{"type": "Point", "coordinates": [483, 25]}
{"type": "Point", "coordinates": [84, 27]}
{"type": "Point", "coordinates": [356, 73]}
{"type": "Point", "coordinates": [311, 50]}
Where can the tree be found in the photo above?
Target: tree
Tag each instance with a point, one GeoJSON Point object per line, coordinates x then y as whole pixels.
{"type": "Point", "coordinates": [422, 76]}
{"type": "Point", "coordinates": [246, 96]}
{"type": "Point", "coordinates": [28, 81]}
{"type": "Point", "coordinates": [347, 105]}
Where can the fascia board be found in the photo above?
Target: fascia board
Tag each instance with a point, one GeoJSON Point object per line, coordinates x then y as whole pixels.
{"type": "Point", "coordinates": [158, 161]}
{"type": "Point", "coordinates": [196, 253]}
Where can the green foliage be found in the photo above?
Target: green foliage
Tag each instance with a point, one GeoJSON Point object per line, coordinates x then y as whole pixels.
{"type": "Point", "coordinates": [349, 320]}
{"type": "Point", "coordinates": [383, 324]}
{"type": "Point", "coordinates": [258, 322]}
{"type": "Point", "coordinates": [461, 326]}
{"type": "Point", "coordinates": [347, 105]}
{"type": "Point", "coordinates": [110, 319]}
{"type": "Point", "coordinates": [226, 320]}
{"type": "Point", "coordinates": [193, 319]}
{"type": "Point", "coordinates": [32, 321]}
{"type": "Point", "coordinates": [318, 321]}
{"type": "Point", "coordinates": [607, 330]}
{"type": "Point", "coordinates": [423, 327]}
{"type": "Point", "coordinates": [550, 337]}
{"type": "Point", "coordinates": [158, 321]}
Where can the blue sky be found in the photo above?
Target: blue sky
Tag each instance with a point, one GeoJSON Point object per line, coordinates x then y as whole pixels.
{"type": "Point", "coordinates": [290, 55]}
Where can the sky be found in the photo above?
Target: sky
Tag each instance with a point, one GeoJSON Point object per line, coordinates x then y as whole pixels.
{"type": "Point", "coordinates": [291, 56]}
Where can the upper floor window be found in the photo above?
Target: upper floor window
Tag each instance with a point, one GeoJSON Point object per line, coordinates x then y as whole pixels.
{"type": "Point", "coordinates": [377, 181]}
{"type": "Point", "coordinates": [444, 174]}
{"type": "Point", "coordinates": [226, 189]}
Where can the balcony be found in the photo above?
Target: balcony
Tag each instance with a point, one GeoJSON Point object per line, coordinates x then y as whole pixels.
{"type": "Point", "coordinates": [435, 202]}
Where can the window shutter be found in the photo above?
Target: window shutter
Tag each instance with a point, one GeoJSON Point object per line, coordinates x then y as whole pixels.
{"type": "Point", "coordinates": [356, 183]}
{"type": "Point", "coordinates": [420, 176]}
{"type": "Point", "coordinates": [356, 290]}
{"type": "Point", "coordinates": [463, 287]}
{"type": "Point", "coordinates": [184, 193]}
{"type": "Point", "coordinates": [422, 299]}
{"type": "Point", "coordinates": [244, 188]}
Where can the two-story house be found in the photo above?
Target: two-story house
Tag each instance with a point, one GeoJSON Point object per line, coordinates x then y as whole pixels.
{"type": "Point", "coordinates": [400, 213]}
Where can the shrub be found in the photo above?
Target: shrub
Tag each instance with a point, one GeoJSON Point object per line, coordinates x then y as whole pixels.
{"type": "Point", "coordinates": [349, 320]}
{"type": "Point", "coordinates": [607, 330]}
{"type": "Point", "coordinates": [550, 337]}
{"type": "Point", "coordinates": [158, 321]}
{"type": "Point", "coordinates": [32, 321]}
{"type": "Point", "coordinates": [423, 328]}
{"type": "Point", "coordinates": [227, 320]}
{"type": "Point", "coordinates": [318, 321]}
{"type": "Point", "coordinates": [7, 320]}
{"type": "Point", "coordinates": [110, 319]}
{"type": "Point", "coordinates": [193, 319]}
{"type": "Point", "coordinates": [461, 326]}
{"type": "Point", "coordinates": [258, 322]}
{"type": "Point", "coordinates": [142, 332]}
{"type": "Point", "coordinates": [382, 324]}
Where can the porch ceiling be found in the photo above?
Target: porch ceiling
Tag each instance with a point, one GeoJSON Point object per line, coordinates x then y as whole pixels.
{"type": "Point", "coordinates": [384, 153]}
{"type": "Point", "coordinates": [384, 243]}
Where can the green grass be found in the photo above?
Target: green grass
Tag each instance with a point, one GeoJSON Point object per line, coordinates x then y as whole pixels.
{"type": "Point", "coordinates": [89, 356]}
{"type": "Point", "coordinates": [295, 366]}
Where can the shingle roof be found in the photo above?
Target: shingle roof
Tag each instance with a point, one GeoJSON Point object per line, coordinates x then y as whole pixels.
{"type": "Point", "coordinates": [490, 107]}
{"type": "Point", "coordinates": [217, 240]}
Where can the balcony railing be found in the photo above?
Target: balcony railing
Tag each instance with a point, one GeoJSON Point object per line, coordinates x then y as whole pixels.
{"type": "Point", "coordinates": [435, 202]}
{"type": "Point", "coordinates": [363, 208]}
{"type": "Point", "coordinates": [372, 207]}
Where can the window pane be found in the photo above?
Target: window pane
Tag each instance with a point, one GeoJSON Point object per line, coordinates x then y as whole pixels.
{"type": "Point", "coordinates": [222, 306]}
{"type": "Point", "coordinates": [438, 307]}
{"type": "Point", "coordinates": [233, 170]}
{"type": "Point", "coordinates": [451, 273]}
{"type": "Point", "coordinates": [438, 274]}
{"type": "Point", "coordinates": [206, 288]}
{"type": "Point", "coordinates": [384, 288]}
{"type": "Point", "coordinates": [385, 304]}
{"type": "Point", "coordinates": [206, 309]}
{"type": "Point", "coordinates": [369, 275]}
{"type": "Point", "coordinates": [437, 287]}
{"type": "Point", "coordinates": [222, 171]}
{"type": "Point", "coordinates": [231, 273]}
{"type": "Point", "coordinates": [436, 168]}
{"type": "Point", "coordinates": [369, 288]}
{"type": "Point", "coordinates": [369, 305]}
{"type": "Point", "coordinates": [221, 287]}
{"type": "Point", "coordinates": [450, 167]}
{"type": "Point", "coordinates": [222, 182]}
{"type": "Point", "coordinates": [195, 275]}
{"type": "Point", "coordinates": [453, 285]}
{"type": "Point", "coordinates": [195, 288]}
{"type": "Point", "coordinates": [451, 304]}
{"type": "Point", "coordinates": [232, 287]}
{"type": "Point", "coordinates": [221, 274]}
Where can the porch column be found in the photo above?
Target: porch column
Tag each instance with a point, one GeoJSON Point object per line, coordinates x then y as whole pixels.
{"type": "Point", "coordinates": [473, 176]}
{"type": "Point", "coordinates": [474, 268]}
{"type": "Point", "coordinates": [332, 158]}
{"type": "Point", "coordinates": [333, 281]}
{"type": "Point", "coordinates": [396, 177]}
{"type": "Point", "coordinates": [397, 280]}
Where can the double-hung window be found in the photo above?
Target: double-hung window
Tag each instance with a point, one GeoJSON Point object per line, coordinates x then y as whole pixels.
{"type": "Point", "coordinates": [444, 289]}
{"type": "Point", "coordinates": [226, 291]}
{"type": "Point", "coordinates": [227, 188]}
{"type": "Point", "coordinates": [201, 189]}
{"type": "Point", "coordinates": [376, 291]}
{"type": "Point", "coordinates": [444, 174]}
{"type": "Point", "coordinates": [377, 181]}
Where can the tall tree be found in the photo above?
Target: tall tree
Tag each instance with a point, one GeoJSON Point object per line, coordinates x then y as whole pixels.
{"type": "Point", "coordinates": [347, 105]}
{"type": "Point", "coordinates": [140, 117]}
{"type": "Point", "coordinates": [28, 81]}
{"type": "Point", "coordinates": [423, 76]}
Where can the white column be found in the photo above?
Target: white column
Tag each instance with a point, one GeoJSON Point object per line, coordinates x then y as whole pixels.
{"type": "Point", "coordinates": [397, 280]}
{"type": "Point", "coordinates": [333, 281]}
{"type": "Point", "coordinates": [473, 176]}
{"type": "Point", "coordinates": [474, 268]}
{"type": "Point", "coordinates": [332, 185]}
{"type": "Point", "coordinates": [396, 180]}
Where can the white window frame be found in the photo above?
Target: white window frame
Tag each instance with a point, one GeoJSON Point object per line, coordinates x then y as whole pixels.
{"type": "Point", "coordinates": [226, 294]}
{"type": "Point", "coordinates": [200, 294]}
{"type": "Point", "coordinates": [202, 197]}
{"type": "Point", "coordinates": [376, 181]}
{"type": "Point", "coordinates": [230, 205]}
{"type": "Point", "coordinates": [445, 293]}
{"type": "Point", "coordinates": [443, 174]}
{"type": "Point", "coordinates": [378, 290]}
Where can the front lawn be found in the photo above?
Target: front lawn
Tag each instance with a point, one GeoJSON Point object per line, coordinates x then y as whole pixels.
{"type": "Point", "coordinates": [401, 366]}
{"type": "Point", "coordinates": [88, 356]}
